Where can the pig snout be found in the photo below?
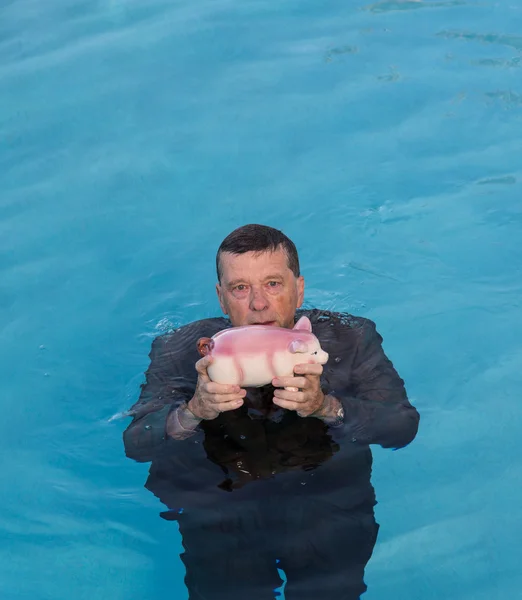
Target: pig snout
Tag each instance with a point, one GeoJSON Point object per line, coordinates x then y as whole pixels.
{"type": "Point", "coordinates": [322, 357]}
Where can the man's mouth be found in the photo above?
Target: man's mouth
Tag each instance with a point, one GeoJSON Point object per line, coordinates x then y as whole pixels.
{"type": "Point", "coordinates": [265, 323]}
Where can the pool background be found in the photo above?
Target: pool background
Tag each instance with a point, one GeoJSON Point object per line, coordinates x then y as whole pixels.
{"type": "Point", "coordinates": [384, 139]}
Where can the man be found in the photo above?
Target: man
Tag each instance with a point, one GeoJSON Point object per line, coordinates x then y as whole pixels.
{"type": "Point", "coordinates": [264, 477]}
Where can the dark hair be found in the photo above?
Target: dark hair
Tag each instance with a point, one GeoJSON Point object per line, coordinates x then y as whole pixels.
{"type": "Point", "coordinates": [258, 238]}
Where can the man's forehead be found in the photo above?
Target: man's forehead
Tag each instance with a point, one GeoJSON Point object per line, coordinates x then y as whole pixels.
{"type": "Point", "coordinates": [254, 263]}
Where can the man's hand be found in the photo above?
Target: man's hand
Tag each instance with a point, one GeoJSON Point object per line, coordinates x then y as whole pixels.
{"type": "Point", "coordinates": [212, 398]}
{"type": "Point", "coordinates": [309, 399]}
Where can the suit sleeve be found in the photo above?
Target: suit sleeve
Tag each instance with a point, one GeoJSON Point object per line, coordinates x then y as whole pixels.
{"type": "Point", "coordinates": [169, 381]}
{"type": "Point", "coordinates": [376, 406]}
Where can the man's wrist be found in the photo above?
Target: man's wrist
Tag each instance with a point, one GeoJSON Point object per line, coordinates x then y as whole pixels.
{"type": "Point", "coordinates": [331, 412]}
{"type": "Point", "coordinates": [182, 423]}
{"type": "Point", "coordinates": [187, 418]}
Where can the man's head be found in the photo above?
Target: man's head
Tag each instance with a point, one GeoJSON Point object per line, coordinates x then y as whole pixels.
{"type": "Point", "coordinates": [258, 277]}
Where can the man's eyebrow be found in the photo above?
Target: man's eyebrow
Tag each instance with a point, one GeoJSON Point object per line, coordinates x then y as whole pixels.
{"type": "Point", "coordinates": [235, 282]}
{"type": "Point", "coordinates": [271, 277]}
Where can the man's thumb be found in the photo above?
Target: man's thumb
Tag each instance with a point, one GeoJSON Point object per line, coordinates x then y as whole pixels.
{"type": "Point", "coordinates": [202, 365]}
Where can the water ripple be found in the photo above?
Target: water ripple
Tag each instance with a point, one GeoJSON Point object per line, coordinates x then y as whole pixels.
{"type": "Point", "coordinates": [513, 41]}
{"type": "Point", "coordinates": [405, 5]}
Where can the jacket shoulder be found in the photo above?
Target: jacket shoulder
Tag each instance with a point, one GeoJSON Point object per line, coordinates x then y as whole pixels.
{"type": "Point", "coordinates": [338, 319]}
{"type": "Point", "coordinates": [186, 335]}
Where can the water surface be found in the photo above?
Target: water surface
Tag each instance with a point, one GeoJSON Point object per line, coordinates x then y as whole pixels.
{"type": "Point", "coordinates": [383, 138]}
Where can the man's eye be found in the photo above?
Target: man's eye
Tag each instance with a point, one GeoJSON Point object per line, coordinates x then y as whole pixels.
{"type": "Point", "coordinates": [240, 287]}
{"type": "Point", "coordinates": [273, 283]}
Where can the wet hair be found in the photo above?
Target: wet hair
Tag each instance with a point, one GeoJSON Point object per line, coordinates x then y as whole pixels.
{"type": "Point", "coordinates": [258, 238]}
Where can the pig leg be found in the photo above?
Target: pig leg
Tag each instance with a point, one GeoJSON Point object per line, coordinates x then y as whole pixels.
{"type": "Point", "coordinates": [240, 373]}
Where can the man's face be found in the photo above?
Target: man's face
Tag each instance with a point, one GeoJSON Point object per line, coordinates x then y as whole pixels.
{"type": "Point", "coordinates": [259, 288]}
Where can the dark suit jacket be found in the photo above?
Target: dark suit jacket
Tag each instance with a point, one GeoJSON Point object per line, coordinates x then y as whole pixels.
{"type": "Point", "coordinates": [261, 449]}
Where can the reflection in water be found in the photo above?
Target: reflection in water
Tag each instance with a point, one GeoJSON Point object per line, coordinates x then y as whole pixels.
{"type": "Point", "coordinates": [260, 489]}
{"type": "Point", "coordinates": [393, 75]}
{"type": "Point", "coordinates": [394, 5]}
{"type": "Point", "coordinates": [505, 180]}
{"type": "Point", "coordinates": [506, 98]}
{"type": "Point", "coordinates": [339, 51]}
{"type": "Point", "coordinates": [501, 63]}
{"type": "Point", "coordinates": [514, 41]}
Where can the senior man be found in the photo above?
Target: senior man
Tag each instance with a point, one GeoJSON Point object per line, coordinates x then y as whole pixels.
{"type": "Point", "coordinates": [264, 480]}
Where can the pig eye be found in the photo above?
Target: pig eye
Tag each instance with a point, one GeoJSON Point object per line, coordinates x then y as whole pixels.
{"type": "Point", "coordinates": [314, 352]}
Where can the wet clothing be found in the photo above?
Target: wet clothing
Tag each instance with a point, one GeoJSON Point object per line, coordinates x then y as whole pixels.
{"type": "Point", "coordinates": [260, 483]}
{"type": "Point", "coordinates": [234, 554]}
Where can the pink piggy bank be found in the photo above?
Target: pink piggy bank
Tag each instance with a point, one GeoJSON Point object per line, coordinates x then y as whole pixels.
{"type": "Point", "coordinates": [252, 355]}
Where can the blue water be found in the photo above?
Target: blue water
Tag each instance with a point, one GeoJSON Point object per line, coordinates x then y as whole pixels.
{"type": "Point", "coordinates": [384, 139]}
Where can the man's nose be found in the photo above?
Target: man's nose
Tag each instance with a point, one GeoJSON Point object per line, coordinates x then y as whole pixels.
{"type": "Point", "coordinates": [258, 301]}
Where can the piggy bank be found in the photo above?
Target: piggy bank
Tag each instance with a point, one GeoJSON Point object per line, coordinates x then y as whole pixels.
{"type": "Point", "coordinates": [252, 355]}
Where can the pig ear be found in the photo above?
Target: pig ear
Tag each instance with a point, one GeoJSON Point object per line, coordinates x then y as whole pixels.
{"type": "Point", "coordinates": [304, 324]}
{"type": "Point", "coordinates": [298, 346]}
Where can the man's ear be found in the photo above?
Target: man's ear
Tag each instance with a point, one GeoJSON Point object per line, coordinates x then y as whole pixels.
{"type": "Point", "coordinates": [219, 292]}
{"type": "Point", "coordinates": [300, 291]}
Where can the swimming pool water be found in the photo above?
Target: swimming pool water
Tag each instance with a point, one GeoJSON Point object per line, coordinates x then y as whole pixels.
{"type": "Point", "coordinates": [385, 139]}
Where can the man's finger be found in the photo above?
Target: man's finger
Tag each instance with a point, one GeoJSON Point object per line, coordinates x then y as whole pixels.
{"type": "Point", "coordinates": [223, 398]}
{"type": "Point", "coordinates": [202, 365]}
{"type": "Point", "coordinates": [309, 369]}
{"type": "Point", "coordinates": [298, 397]}
{"type": "Point", "coordinates": [288, 404]}
{"type": "Point", "coordinates": [297, 382]}
{"type": "Point", "coordinates": [226, 406]}
{"type": "Point", "coordinates": [221, 388]}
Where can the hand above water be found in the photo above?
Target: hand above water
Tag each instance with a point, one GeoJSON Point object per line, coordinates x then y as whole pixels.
{"type": "Point", "coordinates": [309, 399]}
{"type": "Point", "coordinates": [210, 398]}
